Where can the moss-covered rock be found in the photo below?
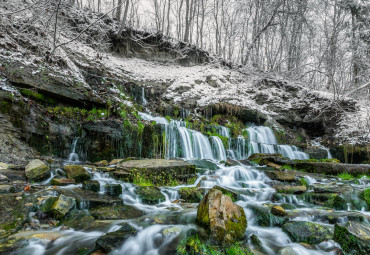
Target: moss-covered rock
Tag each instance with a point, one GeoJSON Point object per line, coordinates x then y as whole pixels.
{"type": "Point", "coordinates": [92, 185]}
{"type": "Point", "coordinates": [36, 170]}
{"type": "Point", "coordinates": [278, 211]}
{"type": "Point", "coordinates": [191, 195]}
{"type": "Point", "coordinates": [365, 195]}
{"type": "Point", "coordinates": [114, 190]}
{"type": "Point", "coordinates": [290, 189]}
{"type": "Point", "coordinates": [59, 206]}
{"type": "Point", "coordinates": [353, 237]}
{"type": "Point", "coordinates": [307, 232]}
{"type": "Point", "coordinates": [7, 189]}
{"type": "Point", "coordinates": [77, 173]}
{"type": "Point", "coordinates": [225, 220]}
{"type": "Point", "coordinates": [114, 240]}
{"type": "Point", "coordinates": [62, 182]}
{"type": "Point", "coordinates": [150, 195]}
{"type": "Point", "coordinates": [102, 163]}
{"type": "Point", "coordinates": [228, 192]}
{"type": "Point", "coordinates": [264, 216]}
{"type": "Point", "coordinates": [117, 212]}
{"type": "Point", "coordinates": [281, 175]}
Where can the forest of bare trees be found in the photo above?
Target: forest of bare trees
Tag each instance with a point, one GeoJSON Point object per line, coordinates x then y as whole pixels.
{"type": "Point", "coordinates": [324, 43]}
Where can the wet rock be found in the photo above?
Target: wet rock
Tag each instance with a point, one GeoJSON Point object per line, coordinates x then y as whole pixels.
{"type": "Point", "coordinates": [77, 173]}
{"type": "Point", "coordinates": [287, 251]}
{"type": "Point", "coordinates": [62, 182]}
{"type": "Point", "coordinates": [337, 217]}
{"type": "Point", "coordinates": [116, 161]}
{"type": "Point", "coordinates": [278, 211]}
{"type": "Point", "coordinates": [58, 206]}
{"type": "Point", "coordinates": [105, 169]}
{"type": "Point", "coordinates": [228, 192]}
{"type": "Point", "coordinates": [13, 213]}
{"type": "Point", "coordinates": [7, 189]}
{"type": "Point", "coordinates": [353, 237]}
{"type": "Point", "coordinates": [78, 219]}
{"type": "Point", "coordinates": [332, 188]}
{"type": "Point", "coordinates": [255, 240]}
{"type": "Point", "coordinates": [36, 170]}
{"type": "Point", "coordinates": [264, 217]}
{"type": "Point", "coordinates": [3, 178]}
{"type": "Point", "coordinates": [4, 166]}
{"type": "Point", "coordinates": [117, 212]}
{"type": "Point", "coordinates": [307, 232]}
{"type": "Point", "coordinates": [101, 163]}
{"type": "Point", "coordinates": [91, 198]}
{"type": "Point", "coordinates": [365, 195]}
{"type": "Point", "coordinates": [290, 189]}
{"type": "Point", "coordinates": [281, 175]}
{"type": "Point", "coordinates": [114, 240]}
{"type": "Point", "coordinates": [150, 195]}
{"type": "Point", "coordinates": [157, 172]}
{"type": "Point", "coordinates": [191, 195]}
{"type": "Point", "coordinates": [225, 220]}
{"type": "Point", "coordinates": [114, 190]}
{"type": "Point", "coordinates": [92, 185]}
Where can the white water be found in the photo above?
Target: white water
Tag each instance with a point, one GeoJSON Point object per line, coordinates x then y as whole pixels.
{"type": "Point", "coordinates": [73, 156]}
{"type": "Point", "coordinates": [145, 102]}
{"type": "Point", "coordinates": [317, 143]}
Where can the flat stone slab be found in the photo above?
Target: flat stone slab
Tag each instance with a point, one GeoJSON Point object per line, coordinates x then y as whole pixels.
{"type": "Point", "coordinates": [159, 172]}
{"type": "Point", "coordinates": [91, 198]}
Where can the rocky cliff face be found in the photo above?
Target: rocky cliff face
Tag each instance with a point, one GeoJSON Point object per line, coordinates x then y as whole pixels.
{"type": "Point", "coordinates": [172, 75]}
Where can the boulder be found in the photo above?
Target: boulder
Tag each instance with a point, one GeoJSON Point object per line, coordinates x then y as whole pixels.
{"type": "Point", "coordinates": [191, 195]}
{"type": "Point", "coordinates": [77, 173]}
{"type": "Point", "coordinates": [150, 195]}
{"type": "Point", "coordinates": [62, 182]}
{"type": "Point", "coordinates": [353, 237]}
{"type": "Point", "coordinates": [278, 211]}
{"type": "Point", "coordinates": [114, 190]}
{"type": "Point", "coordinates": [58, 206]}
{"type": "Point", "coordinates": [264, 216]}
{"type": "Point", "coordinates": [92, 185]}
{"type": "Point", "coordinates": [79, 219]}
{"type": "Point", "coordinates": [7, 189]}
{"type": "Point", "coordinates": [281, 175]}
{"type": "Point", "coordinates": [117, 212]}
{"type": "Point", "coordinates": [116, 161]}
{"type": "Point", "coordinates": [228, 192]}
{"type": "Point", "coordinates": [101, 163]}
{"type": "Point", "coordinates": [155, 172]}
{"type": "Point", "coordinates": [290, 189]}
{"type": "Point", "coordinates": [225, 220]}
{"type": "Point", "coordinates": [36, 170]}
{"type": "Point", "coordinates": [306, 232]}
{"type": "Point", "coordinates": [114, 240]}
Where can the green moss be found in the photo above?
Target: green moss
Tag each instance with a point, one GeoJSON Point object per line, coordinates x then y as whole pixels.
{"type": "Point", "coordinates": [303, 181]}
{"type": "Point", "coordinates": [238, 249]}
{"type": "Point", "coordinates": [286, 167]}
{"type": "Point", "coordinates": [365, 195]}
{"type": "Point", "coordinates": [195, 246]}
{"type": "Point", "coordinates": [330, 160]}
{"type": "Point", "coordinates": [224, 139]}
{"type": "Point", "coordinates": [346, 176]}
{"type": "Point", "coordinates": [37, 96]}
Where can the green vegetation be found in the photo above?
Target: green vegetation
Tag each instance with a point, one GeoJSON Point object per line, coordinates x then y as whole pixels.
{"type": "Point", "coordinates": [37, 96]}
{"type": "Point", "coordinates": [303, 181]}
{"type": "Point", "coordinates": [238, 249]}
{"type": "Point", "coordinates": [224, 139]}
{"type": "Point", "coordinates": [75, 113]}
{"type": "Point", "coordinates": [346, 176]}
{"type": "Point", "coordinates": [193, 245]}
{"type": "Point", "coordinates": [365, 195]}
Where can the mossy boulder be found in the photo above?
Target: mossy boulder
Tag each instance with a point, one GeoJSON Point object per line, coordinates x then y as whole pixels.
{"type": "Point", "coordinates": [228, 192]}
{"type": "Point", "coordinates": [77, 173]}
{"type": "Point", "coordinates": [58, 206]}
{"type": "Point", "coordinates": [225, 221]}
{"type": "Point", "coordinates": [101, 163]}
{"type": "Point", "coordinates": [114, 240]}
{"type": "Point", "coordinates": [62, 182]}
{"type": "Point", "coordinates": [306, 232]}
{"type": "Point", "coordinates": [150, 195]}
{"type": "Point", "coordinates": [36, 170]}
{"type": "Point", "coordinates": [353, 237]}
{"type": "Point", "coordinates": [92, 185]}
{"type": "Point", "coordinates": [114, 190]}
{"type": "Point", "coordinates": [365, 195]}
{"type": "Point", "coordinates": [191, 195]}
{"type": "Point", "coordinates": [278, 211]}
{"type": "Point", "coordinates": [290, 189]}
{"type": "Point", "coordinates": [117, 212]}
{"type": "Point", "coordinates": [264, 216]}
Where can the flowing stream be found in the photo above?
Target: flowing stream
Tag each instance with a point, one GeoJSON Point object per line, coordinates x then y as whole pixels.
{"type": "Point", "coordinates": [166, 223]}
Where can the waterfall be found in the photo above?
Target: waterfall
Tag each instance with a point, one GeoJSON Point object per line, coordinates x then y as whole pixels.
{"type": "Point", "coordinates": [223, 131]}
{"type": "Point", "coordinates": [317, 143]}
{"type": "Point", "coordinates": [158, 120]}
{"type": "Point", "coordinates": [73, 156]}
{"type": "Point", "coordinates": [144, 101]}
{"type": "Point", "coordinates": [218, 149]}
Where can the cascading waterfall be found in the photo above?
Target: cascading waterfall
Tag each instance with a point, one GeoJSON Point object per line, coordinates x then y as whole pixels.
{"type": "Point", "coordinates": [73, 156]}
{"type": "Point", "coordinates": [144, 101]}
{"type": "Point", "coordinates": [218, 148]}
